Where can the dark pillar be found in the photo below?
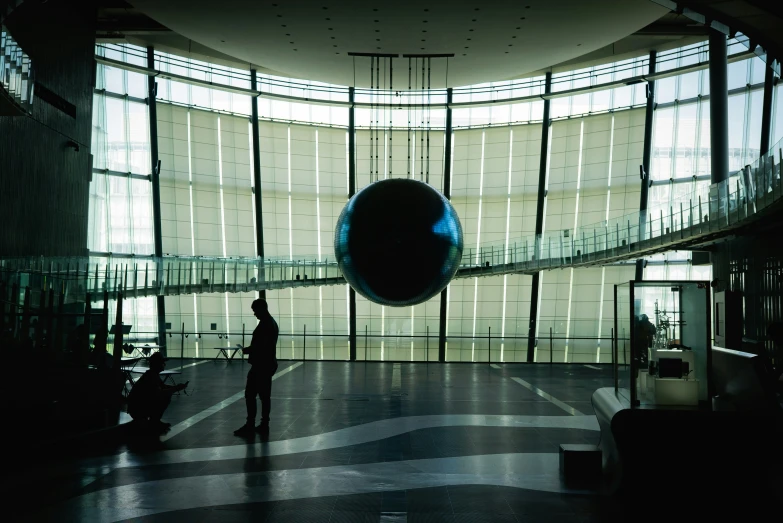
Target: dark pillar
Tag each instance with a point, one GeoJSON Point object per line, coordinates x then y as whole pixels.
{"type": "Point", "coordinates": [531, 333]}
{"type": "Point", "coordinates": [766, 110]}
{"type": "Point", "coordinates": [257, 177]}
{"type": "Point", "coordinates": [152, 90]}
{"type": "Point", "coordinates": [351, 192]}
{"type": "Point", "coordinates": [719, 107]}
{"type": "Point", "coordinates": [444, 295]}
{"type": "Point", "coordinates": [645, 171]}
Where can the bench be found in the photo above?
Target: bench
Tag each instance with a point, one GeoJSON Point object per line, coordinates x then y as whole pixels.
{"type": "Point", "coordinates": [223, 351]}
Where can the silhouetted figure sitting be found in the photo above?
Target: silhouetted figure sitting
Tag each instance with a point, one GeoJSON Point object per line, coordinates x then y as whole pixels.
{"type": "Point", "coordinates": [149, 397]}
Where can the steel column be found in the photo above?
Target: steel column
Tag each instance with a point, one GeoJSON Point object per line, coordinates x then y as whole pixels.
{"type": "Point", "coordinates": [766, 110]}
{"type": "Point", "coordinates": [645, 171]}
{"type": "Point", "coordinates": [719, 107]}
{"type": "Point", "coordinates": [444, 295]}
{"type": "Point", "coordinates": [531, 333]}
{"type": "Point", "coordinates": [351, 192]}
{"type": "Point", "coordinates": [152, 90]}
{"type": "Point", "coordinates": [257, 178]}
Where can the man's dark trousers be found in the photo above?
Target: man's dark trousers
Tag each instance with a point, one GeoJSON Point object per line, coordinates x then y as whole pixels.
{"type": "Point", "coordinates": [259, 382]}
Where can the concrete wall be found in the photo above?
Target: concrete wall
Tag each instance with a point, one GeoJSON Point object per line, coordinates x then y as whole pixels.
{"type": "Point", "coordinates": [45, 161]}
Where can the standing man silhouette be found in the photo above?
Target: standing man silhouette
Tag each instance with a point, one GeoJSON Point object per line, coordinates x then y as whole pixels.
{"type": "Point", "coordinates": [263, 360]}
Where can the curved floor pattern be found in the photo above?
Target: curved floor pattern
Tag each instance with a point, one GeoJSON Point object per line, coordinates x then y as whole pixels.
{"type": "Point", "coordinates": [533, 471]}
{"type": "Point", "coordinates": [355, 435]}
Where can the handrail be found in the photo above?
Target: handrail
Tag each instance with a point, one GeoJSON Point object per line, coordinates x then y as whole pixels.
{"type": "Point", "coordinates": [710, 212]}
{"type": "Point", "coordinates": [16, 71]}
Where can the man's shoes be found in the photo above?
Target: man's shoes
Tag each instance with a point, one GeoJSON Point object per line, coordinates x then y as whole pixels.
{"type": "Point", "coordinates": [263, 427]}
{"type": "Point", "coordinates": [245, 430]}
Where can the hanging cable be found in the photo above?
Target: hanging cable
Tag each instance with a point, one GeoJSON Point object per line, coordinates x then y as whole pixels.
{"type": "Point", "coordinates": [391, 112]}
{"type": "Point", "coordinates": [372, 109]}
{"type": "Point", "coordinates": [409, 117]}
{"type": "Point", "coordinates": [429, 86]}
{"type": "Point", "coordinates": [421, 116]}
{"type": "Point", "coordinates": [377, 115]}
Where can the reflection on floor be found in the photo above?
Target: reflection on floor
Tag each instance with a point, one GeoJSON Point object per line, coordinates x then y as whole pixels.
{"type": "Point", "coordinates": [348, 442]}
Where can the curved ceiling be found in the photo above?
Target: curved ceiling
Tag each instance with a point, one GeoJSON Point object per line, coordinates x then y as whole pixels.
{"type": "Point", "coordinates": [491, 40]}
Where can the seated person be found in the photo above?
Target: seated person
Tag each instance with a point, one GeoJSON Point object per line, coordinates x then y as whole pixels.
{"type": "Point", "coordinates": [149, 397]}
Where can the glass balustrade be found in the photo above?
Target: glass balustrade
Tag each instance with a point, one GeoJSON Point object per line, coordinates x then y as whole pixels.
{"type": "Point", "coordinates": [16, 73]}
{"type": "Point", "coordinates": [704, 212]}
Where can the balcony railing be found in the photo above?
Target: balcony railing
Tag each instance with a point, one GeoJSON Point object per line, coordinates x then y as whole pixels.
{"type": "Point", "coordinates": [16, 76]}
{"type": "Point", "coordinates": [706, 213]}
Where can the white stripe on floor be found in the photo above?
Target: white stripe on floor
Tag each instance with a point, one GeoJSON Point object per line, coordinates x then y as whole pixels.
{"type": "Point", "coordinates": [179, 427]}
{"type": "Point", "coordinates": [189, 365]}
{"type": "Point", "coordinates": [548, 397]}
{"type": "Point", "coordinates": [593, 367]}
{"type": "Point", "coordinates": [494, 366]}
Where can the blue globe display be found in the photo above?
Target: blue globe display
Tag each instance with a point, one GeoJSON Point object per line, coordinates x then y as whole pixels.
{"type": "Point", "coordinates": [398, 242]}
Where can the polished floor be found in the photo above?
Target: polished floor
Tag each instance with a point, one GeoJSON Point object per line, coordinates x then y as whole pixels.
{"type": "Point", "coordinates": [375, 442]}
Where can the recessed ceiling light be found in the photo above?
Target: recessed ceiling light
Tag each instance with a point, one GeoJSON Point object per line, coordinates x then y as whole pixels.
{"type": "Point", "coordinates": [423, 40]}
{"type": "Point", "coordinates": [519, 28]}
{"type": "Point", "coordinates": [527, 7]}
{"type": "Point", "coordinates": [466, 47]}
{"type": "Point", "coordinates": [514, 36]}
{"type": "Point", "coordinates": [422, 49]}
{"type": "Point", "coordinates": [296, 49]}
{"type": "Point", "coordinates": [327, 18]}
{"type": "Point", "coordinates": [377, 47]}
{"type": "Point", "coordinates": [336, 53]}
{"type": "Point", "coordinates": [377, 39]}
{"type": "Point", "coordinates": [325, 8]}
{"type": "Point", "coordinates": [578, 45]}
{"type": "Point", "coordinates": [290, 42]}
{"type": "Point", "coordinates": [477, 9]}
{"type": "Point", "coordinates": [424, 21]}
{"type": "Point", "coordinates": [510, 45]}
{"type": "Point", "coordinates": [376, 21]}
{"type": "Point", "coordinates": [464, 54]}
{"type": "Point", "coordinates": [374, 9]}
{"type": "Point", "coordinates": [469, 39]}
{"type": "Point", "coordinates": [377, 30]}
{"type": "Point", "coordinates": [335, 45]}
{"type": "Point", "coordinates": [505, 52]}
{"type": "Point", "coordinates": [280, 16]}
{"type": "Point", "coordinates": [274, 5]}
{"type": "Point", "coordinates": [522, 18]}
{"type": "Point", "coordinates": [470, 29]}
{"type": "Point", "coordinates": [426, 10]}
{"type": "Point", "coordinates": [331, 29]}
{"type": "Point", "coordinates": [474, 19]}
{"type": "Point", "coordinates": [283, 25]}
{"type": "Point", "coordinates": [288, 34]}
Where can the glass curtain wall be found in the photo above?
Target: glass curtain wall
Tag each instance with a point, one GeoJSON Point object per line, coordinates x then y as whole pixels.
{"type": "Point", "coordinates": [592, 178]}
{"type": "Point", "coordinates": [120, 218]}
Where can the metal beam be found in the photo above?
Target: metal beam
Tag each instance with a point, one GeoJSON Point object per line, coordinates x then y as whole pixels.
{"type": "Point", "coordinates": [156, 214]}
{"type": "Point", "coordinates": [645, 170]}
{"type": "Point", "coordinates": [719, 107]}
{"type": "Point", "coordinates": [444, 295]}
{"type": "Point", "coordinates": [766, 110]}
{"type": "Point", "coordinates": [531, 334]}
{"type": "Point", "coordinates": [351, 192]}
{"type": "Point", "coordinates": [257, 177]}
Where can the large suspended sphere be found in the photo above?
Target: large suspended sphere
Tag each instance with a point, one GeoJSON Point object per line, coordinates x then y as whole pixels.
{"type": "Point", "coordinates": [398, 242]}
